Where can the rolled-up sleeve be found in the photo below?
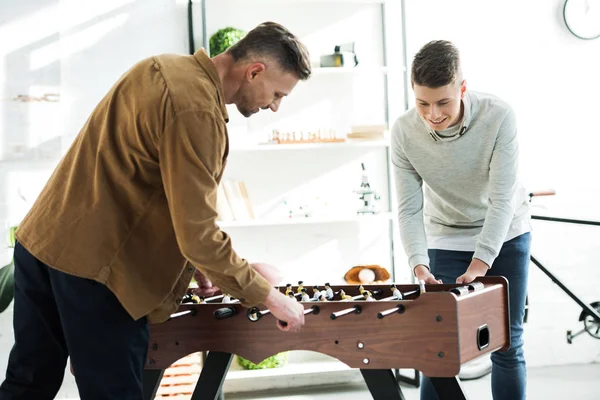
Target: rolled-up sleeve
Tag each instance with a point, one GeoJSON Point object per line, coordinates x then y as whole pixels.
{"type": "Point", "coordinates": [191, 150]}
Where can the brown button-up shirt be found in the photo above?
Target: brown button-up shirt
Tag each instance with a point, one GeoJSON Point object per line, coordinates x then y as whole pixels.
{"type": "Point", "coordinates": [133, 202]}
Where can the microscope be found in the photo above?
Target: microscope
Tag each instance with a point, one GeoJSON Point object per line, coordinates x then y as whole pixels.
{"type": "Point", "coordinates": [368, 196]}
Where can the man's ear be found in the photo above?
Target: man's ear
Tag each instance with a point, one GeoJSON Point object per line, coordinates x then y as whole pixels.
{"type": "Point", "coordinates": [463, 88]}
{"type": "Point", "coordinates": [254, 69]}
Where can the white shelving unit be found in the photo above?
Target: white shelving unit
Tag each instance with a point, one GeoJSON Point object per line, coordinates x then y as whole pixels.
{"type": "Point", "coordinates": [312, 146]}
{"type": "Point", "coordinates": [275, 171]}
{"type": "Point", "coordinates": [386, 216]}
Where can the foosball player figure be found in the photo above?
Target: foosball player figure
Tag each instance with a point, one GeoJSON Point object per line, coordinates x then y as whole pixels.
{"type": "Point", "coordinates": [368, 296]}
{"type": "Point", "coordinates": [361, 289]}
{"type": "Point", "coordinates": [395, 292]}
{"type": "Point", "coordinates": [300, 286]}
{"type": "Point", "coordinates": [316, 292]}
{"type": "Point", "coordinates": [226, 298]}
{"type": "Point", "coordinates": [288, 289]}
{"type": "Point", "coordinates": [344, 296]}
{"type": "Point", "coordinates": [192, 298]}
{"type": "Point", "coordinates": [329, 291]}
{"type": "Point", "coordinates": [305, 296]}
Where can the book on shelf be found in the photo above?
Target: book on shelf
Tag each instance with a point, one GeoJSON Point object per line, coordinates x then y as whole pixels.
{"type": "Point", "coordinates": [233, 202]}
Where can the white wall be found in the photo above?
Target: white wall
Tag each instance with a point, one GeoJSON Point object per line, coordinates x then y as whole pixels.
{"type": "Point", "coordinates": [77, 49]}
{"type": "Point", "coordinates": [519, 50]}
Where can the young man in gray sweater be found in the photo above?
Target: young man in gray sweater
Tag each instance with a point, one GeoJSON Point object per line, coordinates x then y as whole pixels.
{"type": "Point", "coordinates": [462, 211]}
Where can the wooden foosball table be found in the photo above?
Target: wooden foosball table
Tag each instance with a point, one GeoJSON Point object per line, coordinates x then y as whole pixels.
{"type": "Point", "coordinates": [375, 328]}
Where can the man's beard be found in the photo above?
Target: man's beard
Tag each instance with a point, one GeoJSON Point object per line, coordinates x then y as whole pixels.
{"type": "Point", "coordinates": [244, 111]}
{"type": "Point", "coordinates": [242, 105]}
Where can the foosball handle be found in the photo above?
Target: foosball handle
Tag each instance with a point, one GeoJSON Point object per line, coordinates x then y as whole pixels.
{"type": "Point", "coordinates": [312, 310]}
{"type": "Point", "coordinates": [225, 312]}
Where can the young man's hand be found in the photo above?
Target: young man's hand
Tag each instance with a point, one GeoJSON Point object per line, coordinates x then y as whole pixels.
{"type": "Point", "coordinates": [423, 273]}
{"type": "Point", "coordinates": [285, 309]}
{"type": "Point", "coordinates": [476, 268]}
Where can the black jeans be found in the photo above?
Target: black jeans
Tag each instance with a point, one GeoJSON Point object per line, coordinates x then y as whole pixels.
{"type": "Point", "coordinates": [57, 315]}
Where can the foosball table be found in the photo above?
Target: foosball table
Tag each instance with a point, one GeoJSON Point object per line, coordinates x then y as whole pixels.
{"type": "Point", "coordinates": [375, 328]}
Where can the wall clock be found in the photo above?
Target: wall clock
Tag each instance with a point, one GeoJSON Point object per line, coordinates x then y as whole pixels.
{"type": "Point", "coordinates": [582, 18]}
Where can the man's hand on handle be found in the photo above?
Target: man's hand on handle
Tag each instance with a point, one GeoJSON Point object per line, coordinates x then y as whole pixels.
{"type": "Point", "coordinates": [282, 307]}
{"type": "Point", "coordinates": [285, 309]}
{"type": "Point", "coordinates": [476, 268]}
{"type": "Point", "coordinates": [423, 273]}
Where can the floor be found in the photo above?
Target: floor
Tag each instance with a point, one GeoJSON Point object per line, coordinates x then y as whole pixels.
{"type": "Point", "coordinates": [580, 382]}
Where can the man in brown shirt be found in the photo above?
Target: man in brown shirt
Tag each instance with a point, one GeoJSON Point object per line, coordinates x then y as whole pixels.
{"type": "Point", "coordinates": [129, 215]}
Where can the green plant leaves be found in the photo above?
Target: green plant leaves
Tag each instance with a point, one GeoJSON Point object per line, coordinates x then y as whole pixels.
{"type": "Point", "coordinates": [223, 39]}
{"type": "Point", "coordinates": [7, 285]}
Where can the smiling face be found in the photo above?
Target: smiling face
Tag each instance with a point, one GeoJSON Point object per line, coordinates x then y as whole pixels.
{"type": "Point", "coordinates": [263, 88]}
{"type": "Point", "coordinates": [440, 107]}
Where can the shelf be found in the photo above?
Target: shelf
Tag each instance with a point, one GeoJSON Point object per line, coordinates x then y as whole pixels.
{"type": "Point", "coordinates": [305, 374]}
{"type": "Point", "coordinates": [316, 71]}
{"type": "Point", "coordinates": [324, 1]}
{"type": "Point", "coordinates": [298, 368]}
{"type": "Point", "coordinates": [351, 143]}
{"type": "Point", "coordinates": [304, 221]}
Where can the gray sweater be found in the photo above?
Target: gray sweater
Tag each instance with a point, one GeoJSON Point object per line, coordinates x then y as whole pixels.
{"type": "Point", "coordinates": [462, 185]}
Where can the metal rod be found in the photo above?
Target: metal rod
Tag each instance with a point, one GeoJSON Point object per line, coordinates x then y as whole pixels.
{"type": "Point", "coordinates": [352, 310]}
{"type": "Point", "coordinates": [566, 220]}
{"type": "Point", "coordinates": [593, 313]}
{"type": "Point", "coordinates": [398, 309]}
{"type": "Point", "coordinates": [217, 297]}
{"type": "Point", "coordinates": [404, 53]}
{"type": "Point", "coordinates": [179, 314]}
{"type": "Point", "coordinates": [204, 29]}
{"type": "Point", "coordinates": [192, 48]}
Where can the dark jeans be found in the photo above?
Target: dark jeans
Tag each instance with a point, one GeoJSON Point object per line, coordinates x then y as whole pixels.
{"type": "Point", "coordinates": [57, 315]}
{"type": "Point", "coordinates": [508, 368]}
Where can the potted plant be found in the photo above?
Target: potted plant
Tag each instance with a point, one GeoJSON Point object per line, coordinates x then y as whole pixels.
{"type": "Point", "coordinates": [276, 361]}
{"type": "Point", "coordinates": [7, 281]}
{"type": "Point", "coordinates": [223, 39]}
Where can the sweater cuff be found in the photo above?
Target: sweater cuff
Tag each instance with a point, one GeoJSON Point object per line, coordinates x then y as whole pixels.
{"type": "Point", "coordinates": [485, 255]}
{"type": "Point", "coordinates": [418, 259]}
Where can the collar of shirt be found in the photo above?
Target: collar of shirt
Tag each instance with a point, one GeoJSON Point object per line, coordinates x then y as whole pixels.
{"type": "Point", "coordinates": [204, 60]}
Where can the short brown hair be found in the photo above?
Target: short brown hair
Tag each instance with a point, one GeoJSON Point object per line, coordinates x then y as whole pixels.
{"type": "Point", "coordinates": [437, 64]}
{"type": "Point", "coordinates": [276, 42]}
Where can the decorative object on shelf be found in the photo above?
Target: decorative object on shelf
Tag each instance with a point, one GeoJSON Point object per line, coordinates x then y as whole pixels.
{"type": "Point", "coordinates": [367, 132]}
{"type": "Point", "coordinates": [343, 56]}
{"type": "Point", "coordinates": [46, 97]}
{"type": "Point", "coordinates": [296, 208]}
{"type": "Point", "coordinates": [223, 39]}
{"type": "Point", "coordinates": [277, 361]}
{"type": "Point", "coordinates": [320, 136]}
{"type": "Point", "coordinates": [366, 274]}
{"type": "Point", "coordinates": [233, 202]}
{"type": "Point", "coordinates": [368, 196]}
{"type": "Point", "coordinates": [582, 18]}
